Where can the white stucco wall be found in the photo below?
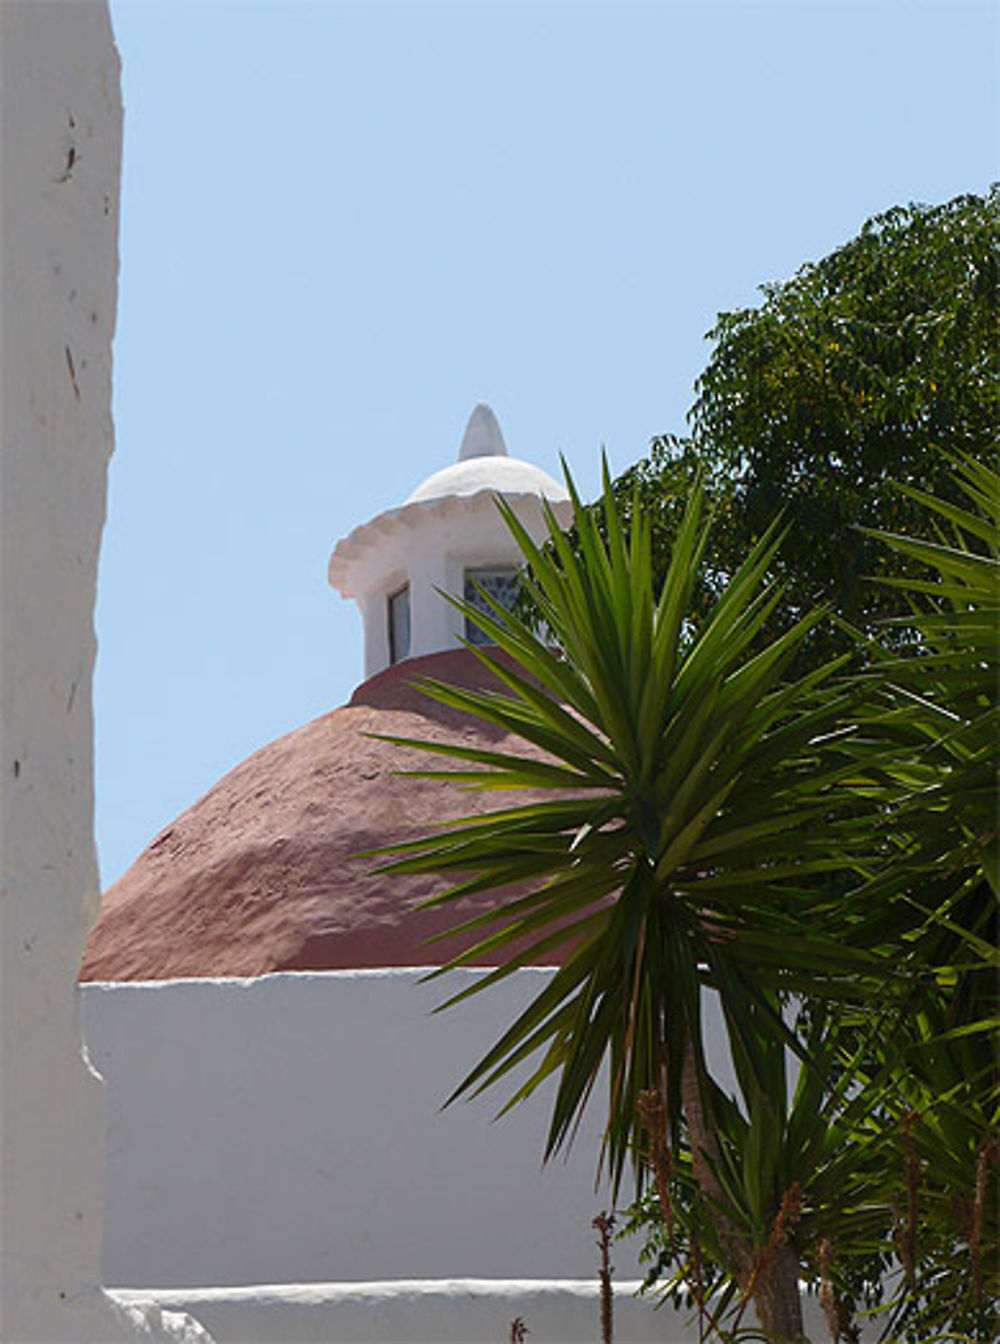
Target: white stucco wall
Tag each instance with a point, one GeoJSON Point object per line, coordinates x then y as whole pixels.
{"type": "Point", "coordinates": [278, 1165]}
{"type": "Point", "coordinates": [60, 154]}
{"type": "Point", "coordinates": [317, 1150]}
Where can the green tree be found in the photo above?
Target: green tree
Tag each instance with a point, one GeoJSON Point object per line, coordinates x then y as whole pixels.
{"type": "Point", "coordinates": [687, 834]}
{"type": "Point", "coordinates": [869, 367]}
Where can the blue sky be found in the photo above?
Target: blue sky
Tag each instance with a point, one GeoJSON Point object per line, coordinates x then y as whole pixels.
{"type": "Point", "coordinates": [343, 224]}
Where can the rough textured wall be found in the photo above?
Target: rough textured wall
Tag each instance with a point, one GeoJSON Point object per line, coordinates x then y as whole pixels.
{"type": "Point", "coordinates": [61, 151]}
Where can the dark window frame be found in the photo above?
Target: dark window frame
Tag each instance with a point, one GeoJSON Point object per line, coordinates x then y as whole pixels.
{"type": "Point", "coordinates": [395, 654]}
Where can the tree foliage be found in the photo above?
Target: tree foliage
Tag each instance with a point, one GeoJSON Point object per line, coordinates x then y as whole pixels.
{"type": "Point", "coordinates": [870, 367]}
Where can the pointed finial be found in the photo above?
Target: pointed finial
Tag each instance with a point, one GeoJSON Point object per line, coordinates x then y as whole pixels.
{"type": "Point", "coordinates": [482, 437]}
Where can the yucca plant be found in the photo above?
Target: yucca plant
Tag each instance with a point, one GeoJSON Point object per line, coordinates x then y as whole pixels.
{"type": "Point", "coordinates": [686, 833]}
{"type": "Point", "coordinates": [933, 756]}
{"type": "Point", "coordinates": [802, 1170]}
{"type": "Point", "coordinates": [939, 710]}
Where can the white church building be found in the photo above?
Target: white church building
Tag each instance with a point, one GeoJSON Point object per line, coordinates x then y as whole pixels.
{"type": "Point", "coordinates": [266, 1159]}
{"type": "Point", "coordinates": [251, 958]}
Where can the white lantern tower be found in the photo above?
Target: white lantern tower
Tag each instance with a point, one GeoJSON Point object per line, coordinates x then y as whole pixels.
{"type": "Point", "coordinates": [447, 537]}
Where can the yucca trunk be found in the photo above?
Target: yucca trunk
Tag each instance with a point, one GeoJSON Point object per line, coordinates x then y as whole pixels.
{"type": "Point", "coordinates": [777, 1298]}
{"type": "Point", "coordinates": [774, 1279]}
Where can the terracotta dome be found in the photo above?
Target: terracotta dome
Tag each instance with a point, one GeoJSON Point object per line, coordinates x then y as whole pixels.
{"type": "Point", "coordinates": [264, 872]}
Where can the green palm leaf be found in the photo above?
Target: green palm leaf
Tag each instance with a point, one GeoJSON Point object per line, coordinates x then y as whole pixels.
{"type": "Point", "coordinates": [693, 785]}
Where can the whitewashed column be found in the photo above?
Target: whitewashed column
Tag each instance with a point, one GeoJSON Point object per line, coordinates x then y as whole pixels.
{"type": "Point", "coordinates": [61, 152]}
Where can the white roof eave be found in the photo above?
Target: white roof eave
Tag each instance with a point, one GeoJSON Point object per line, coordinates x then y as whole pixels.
{"type": "Point", "coordinates": [350, 549]}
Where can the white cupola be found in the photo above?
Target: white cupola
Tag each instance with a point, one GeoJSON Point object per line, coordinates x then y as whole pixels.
{"type": "Point", "coordinates": [447, 537]}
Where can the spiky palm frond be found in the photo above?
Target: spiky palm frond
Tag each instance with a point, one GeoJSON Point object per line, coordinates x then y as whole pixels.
{"type": "Point", "coordinates": [939, 710]}
{"type": "Point", "coordinates": [687, 819]}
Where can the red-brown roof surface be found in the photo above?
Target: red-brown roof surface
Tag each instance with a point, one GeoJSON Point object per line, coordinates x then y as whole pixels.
{"type": "Point", "coordinates": [262, 873]}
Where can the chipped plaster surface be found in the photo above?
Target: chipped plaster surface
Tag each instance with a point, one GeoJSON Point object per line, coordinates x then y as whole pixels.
{"type": "Point", "coordinates": [61, 152]}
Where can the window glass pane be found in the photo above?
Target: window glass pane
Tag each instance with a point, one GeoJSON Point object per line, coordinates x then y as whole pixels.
{"type": "Point", "coordinates": [399, 624]}
{"type": "Point", "coordinates": [501, 584]}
